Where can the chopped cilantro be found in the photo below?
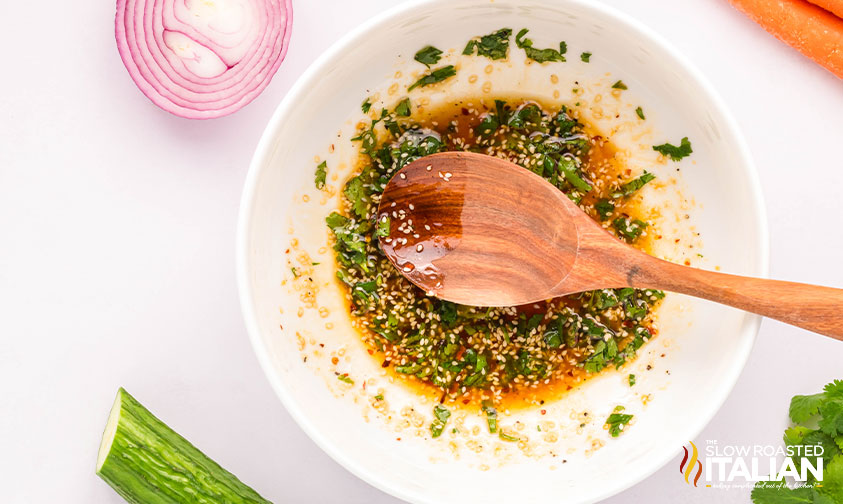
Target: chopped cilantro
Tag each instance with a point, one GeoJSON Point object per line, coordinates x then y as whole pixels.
{"type": "Point", "coordinates": [617, 421]}
{"type": "Point", "coordinates": [428, 56]}
{"type": "Point", "coordinates": [356, 194]}
{"type": "Point", "coordinates": [585, 56]}
{"type": "Point", "coordinates": [629, 229]}
{"type": "Point", "coordinates": [568, 169]}
{"type": "Point", "coordinates": [383, 226]}
{"type": "Point", "coordinates": [493, 46]}
{"type": "Point", "coordinates": [403, 108]}
{"type": "Point", "coordinates": [619, 85]}
{"type": "Point", "coordinates": [631, 380]}
{"type": "Point", "coordinates": [321, 175]}
{"type": "Point", "coordinates": [604, 208]}
{"type": "Point", "coordinates": [491, 416]}
{"type": "Point", "coordinates": [673, 152]}
{"type": "Point", "coordinates": [366, 106]}
{"type": "Point", "coordinates": [435, 76]}
{"type": "Point", "coordinates": [508, 437]}
{"type": "Point", "coordinates": [640, 113]}
{"type": "Point", "coordinates": [295, 273]}
{"type": "Point", "coordinates": [539, 55]}
{"type": "Point", "coordinates": [345, 378]}
{"type": "Point", "coordinates": [553, 334]}
{"type": "Point", "coordinates": [633, 185]}
{"type": "Point", "coordinates": [441, 416]}
{"type": "Point", "coordinates": [379, 397]}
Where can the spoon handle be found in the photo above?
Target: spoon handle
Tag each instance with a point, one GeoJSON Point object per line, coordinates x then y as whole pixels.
{"type": "Point", "coordinates": [812, 307]}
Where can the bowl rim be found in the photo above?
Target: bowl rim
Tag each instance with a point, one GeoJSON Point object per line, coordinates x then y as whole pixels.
{"type": "Point", "coordinates": [263, 151]}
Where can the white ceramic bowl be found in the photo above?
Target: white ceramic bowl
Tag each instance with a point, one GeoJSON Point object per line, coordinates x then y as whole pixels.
{"type": "Point", "coordinates": [706, 345]}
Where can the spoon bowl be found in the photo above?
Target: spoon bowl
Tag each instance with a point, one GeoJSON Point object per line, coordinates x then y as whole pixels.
{"type": "Point", "coordinates": [482, 231]}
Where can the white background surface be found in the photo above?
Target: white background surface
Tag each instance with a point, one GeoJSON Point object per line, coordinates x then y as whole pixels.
{"type": "Point", "coordinates": [117, 229]}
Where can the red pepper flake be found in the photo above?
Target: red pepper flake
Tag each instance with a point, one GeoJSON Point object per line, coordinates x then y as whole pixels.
{"type": "Point", "coordinates": [687, 262]}
{"type": "Point", "coordinates": [398, 439]}
{"type": "Point", "coordinates": [370, 351]}
{"type": "Point", "coordinates": [460, 353]}
{"type": "Point", "coordinates": [544, 412]}
{"type": "Point", "coordinates": [334, 361]}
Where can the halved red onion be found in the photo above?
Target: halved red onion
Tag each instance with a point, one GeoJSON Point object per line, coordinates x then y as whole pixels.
{"type": "Point", "coordinates": [202, 59]}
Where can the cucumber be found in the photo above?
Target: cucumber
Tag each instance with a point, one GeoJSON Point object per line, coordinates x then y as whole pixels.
{"type": "Point", "coordinates": [146, 462]}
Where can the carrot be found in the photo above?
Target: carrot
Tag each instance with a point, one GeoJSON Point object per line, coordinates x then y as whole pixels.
{"type": "Point", "coordinates": [833, 6]}
{"type": "Point", "coordinates": [813, 31]}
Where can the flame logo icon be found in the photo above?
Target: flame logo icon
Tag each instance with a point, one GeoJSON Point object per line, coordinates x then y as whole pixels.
{"type": "Point", "coordinates": [686, 467]}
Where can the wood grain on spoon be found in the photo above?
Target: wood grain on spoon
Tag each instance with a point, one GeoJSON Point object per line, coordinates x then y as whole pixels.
{"type": "Point", "coordinates": [481, 231]}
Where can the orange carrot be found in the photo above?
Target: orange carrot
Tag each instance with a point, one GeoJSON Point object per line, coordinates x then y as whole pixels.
{"type": "Point", "coordinates": [833, 6]}
{"type": "Point", "coordinates": [813, 31]}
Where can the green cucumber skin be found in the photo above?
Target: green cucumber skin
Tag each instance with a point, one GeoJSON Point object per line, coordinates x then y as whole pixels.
{"type": "Point", "coordinates": [149, 463]}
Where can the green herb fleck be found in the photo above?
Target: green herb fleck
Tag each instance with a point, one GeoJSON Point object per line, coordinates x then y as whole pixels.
{"type": "Point", "coordinates": [366, 106]}
{"type": "Point", "coordinates": [428, 56]}
{"type": "Point", "coordinates": [508, 437]}
{"type": "Point", "coordinates": [295, 273]}
{"type": "Point", "coordinates": [617, 421]}
{"type": "Point", "coordinates": [345, 378]}
{"type": "Point", "coordinates": [356, 193]}
{"type": "Point", "coordinates": [441, 416]}
{"type": "Point", "coordinates": [539, 55]}
{"type": "Point", "coordinates": [379, 397]}
{"type": "Point", "coordinates": [321, 175]}
{"type": "Point", "coordinates": [604, 208]}
{"type": "Point", "coordinates": [585, 56]}
{"type": "Point", "coordinates": [640, 113]}
{"type": "Point", "coordinates": [491, 416]}
{"type": "Point", "coordinates": [569, 170]}
{"type": "Point", "coordinates": [403, 108]}
{"type": "Point", "coordinates": [619, 85]}
{"type": "Point", "coordinates": [633, 185]}
{"type": "Point", "coordinates": [383, 226]}
{"type": "Point", "coordinates": [631, 380]}
{"type": "Point", "coordinates": [629, 229]}
{"type": "Point", "coordinates": [435, 76]}
{"type": "Point", "coordinates": [673, 152]}
{"type": "Point", "coordinates": [493, 46]}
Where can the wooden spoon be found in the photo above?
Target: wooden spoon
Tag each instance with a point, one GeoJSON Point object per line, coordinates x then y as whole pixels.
{"type": "Point", "coordinates": [481, 231]}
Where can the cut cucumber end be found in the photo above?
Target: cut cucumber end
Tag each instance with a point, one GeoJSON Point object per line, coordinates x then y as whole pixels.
{"type": "Point", "coordinates": [110, 430]}
{"type": "Point", "coordinates": [147, 462]}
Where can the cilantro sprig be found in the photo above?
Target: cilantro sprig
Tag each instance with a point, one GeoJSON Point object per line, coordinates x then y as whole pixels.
{"type": "Point", "coordinates": [818, 420]}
